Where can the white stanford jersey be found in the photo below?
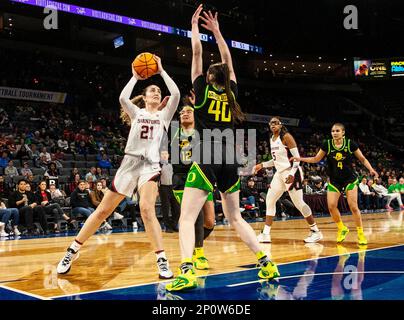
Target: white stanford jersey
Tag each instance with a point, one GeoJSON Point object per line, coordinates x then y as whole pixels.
{"type": "Point", "coordinates": [280, 154]}
{"type": "Point", "coordinates": [147, 129]}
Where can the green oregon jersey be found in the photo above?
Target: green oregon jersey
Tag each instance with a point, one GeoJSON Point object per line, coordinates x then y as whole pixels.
{"type": "Point", "coordinates": [184, 143]}
{"type": "Point", "coordinates": [339, 160]}
{"type": "Point", "coordinates": [393, 188]}
{"type": "Point", "coordinates": [212, 110]}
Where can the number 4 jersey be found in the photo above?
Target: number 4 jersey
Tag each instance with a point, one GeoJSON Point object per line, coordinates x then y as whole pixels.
{"type": "Point", "coordinates": [339, 160]}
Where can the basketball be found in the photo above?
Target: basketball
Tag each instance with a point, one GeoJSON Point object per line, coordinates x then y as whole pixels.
{"type": "Point", "coordinates": [145, 65]}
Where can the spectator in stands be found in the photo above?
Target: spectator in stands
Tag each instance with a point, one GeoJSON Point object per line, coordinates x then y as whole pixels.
{"type": "Point", "coordinates": [52, 173]}
{"type": "Point", "coordinates": [74, 184]}
{"type": "Point", "coordinates": [168, 201]}
{"type": "Point", "coordinates": [10, 214]}
{"type": "Point", "coordinates": [366, 197]}
{"type": "Point", "coordinates": [318, 187]}
{"type": "Point", "coordinates": [4, 187]}
{"type": "Point", "coordinates": [96, 196]}
{"type": "Point", "coordinates": [25, 171]}
{"type": "Point", "coordinates": [73, 174]}
{"type": "Point", "coordinates": [401, 188]}
{"type": "Point", "coordinates": [10, 170]}
{"type": "Point", "coordinates": [43, 163]}
{"type": "Point", "coordinates": [383, 192]}
{"type": "Point", "coordinates": [129, 205]}
{"type": "Point", "coordinates": [63, 144]}
{"type": "Point", "coordinates": [58, 155]}
{"type": "Point", "coordinates": [394, 189]}
{"type": "Point", "coordinates": [50, 206]}
{"type": "Point", "coordinates": [104, 185]}
{"type": "Point", "coordinates": [57, 195]}
{"type": "Point", "coordinates": [38, 210]}
{"type": "Point", "coordinates": [92, 145]}
{"type": "Point", "coordinates": [250, 197]}
{"type": "Point", "coordinates": [20, 199]}
{"type": "Point", "coordinates": [4, 160]}
{"type": "Point", "coordinates": [80, 201]}
{"type": "Point", "coordinates": [82, 148]}
{"type": "Point", "coordinates": [22, 152]}
{"type": "Point", "coordinates": [105, 163]}
{"type": "Point", "coordinates": [92, 173]}
{"type": "Point", "coordinates": [306, 187]}
{"type": "Point", "coordinates": [30, 178]}
{"type": "Point", "coordinates": [45, 153]}
{"type": "Point", "coordinates": [34, 154]}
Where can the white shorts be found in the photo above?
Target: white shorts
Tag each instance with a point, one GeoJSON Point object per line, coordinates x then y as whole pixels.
{"type": "Point", "coordinates": [133, 173]}
{"type": "Point", "coordinates": [278, 181]}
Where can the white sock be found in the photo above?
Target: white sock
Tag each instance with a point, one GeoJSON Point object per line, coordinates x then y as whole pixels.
{"type": "Point", "coordinates": [267, 230]}
{"type": "Point", "coordinates": [161, 254]}
{"type": "Point", "coordinates": [314, 227]}
{"type": "Point", "coordinates": [75, 246]}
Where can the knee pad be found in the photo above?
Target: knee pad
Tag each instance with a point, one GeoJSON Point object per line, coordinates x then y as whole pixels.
{"type": "Point", "coordinates": [305, 210]}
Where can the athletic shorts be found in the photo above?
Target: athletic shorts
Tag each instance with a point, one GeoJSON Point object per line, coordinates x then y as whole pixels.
{"type": "Point", "coordinates": [224, 174]}
{"type": "Point", "coordinates": [133, 173]}
{"type": "Point", "coordinates": [341, 186]}
{"type": "Point", "coordinates": [179, 185]}
{"type": "Point", "coordinates": [278, 181]}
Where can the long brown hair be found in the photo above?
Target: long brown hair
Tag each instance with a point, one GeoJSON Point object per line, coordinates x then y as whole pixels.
{"type": "Point", "coordinates": [138, 101]}
{"type": "Point", "coordinates": [221, 76]}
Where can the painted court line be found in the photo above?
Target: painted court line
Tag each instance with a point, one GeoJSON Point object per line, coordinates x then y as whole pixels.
{"type": "Point", "coordinates": [316, 274]}
{"type": "Point", "coordinates": [221, 273]}
{"type": "Point", "coordinates": [24, 292]}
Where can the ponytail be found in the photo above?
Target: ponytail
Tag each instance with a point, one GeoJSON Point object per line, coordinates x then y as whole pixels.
{"type": "Point", "coordinates": [139, 102]}
{"type": "Point", "coordinates": [237, 113]}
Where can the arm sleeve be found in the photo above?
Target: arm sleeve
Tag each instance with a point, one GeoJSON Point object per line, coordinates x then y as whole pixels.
{"type": "Point", "coordinates": [124, 99]}
{"type": "Point", "coordinates": [295, 165]}
{"type": "Point", "coordinates": [172, 104]}
{"type": "Point", "coordinates": [199, 88]}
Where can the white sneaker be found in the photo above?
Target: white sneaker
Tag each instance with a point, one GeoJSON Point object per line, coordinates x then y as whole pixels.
{"type": "Point", "coordinates": [2, 232]}
{"type": "Point", "coordinates": [134, 225]}
{"type": "Point", "coordinates": [107, 226]}
{"type": "Point", "coordinates": [16, 231]}
{"type": "Point", "coordinates": [264, 238]}
{"type": "Point", "coordinates": [66, 263]}
{"type": "Point", "coordinates": [314, 237]}
{"type": "Point", "coordinates": [117, 216]}
{"type": "Point", "coordinates": [164, 269]}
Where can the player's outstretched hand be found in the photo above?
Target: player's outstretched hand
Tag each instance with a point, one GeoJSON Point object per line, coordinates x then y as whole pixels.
{"type": "Point", "coordinates": [295, 159]}
{"type": "Point", "coordinates": [374, 173]}
{"type": "Point", "coordinates": [159, 64]}
{"type": "Point", "coordinates": [210, 21]}
{"type": "Point", "coordinates": [136, 75]}
{"type": "Point", "coordinates": [197, 15]}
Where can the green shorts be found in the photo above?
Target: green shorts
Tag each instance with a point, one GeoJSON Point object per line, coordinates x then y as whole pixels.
{"type": "Point", "coordinates": [203, 177]}
{"type": "Point", "coordinates": [337, 186]}
{"type": "Point", "coordinates": [179, 193]}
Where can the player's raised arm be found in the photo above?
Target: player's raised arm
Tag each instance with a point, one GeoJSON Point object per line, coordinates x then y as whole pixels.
{"type": "Point", "coordinates": [197, 66]}
{"type": "Point", "coordinates": [211, 23]}
{"type": "Point", "coordinates": [124, 97]}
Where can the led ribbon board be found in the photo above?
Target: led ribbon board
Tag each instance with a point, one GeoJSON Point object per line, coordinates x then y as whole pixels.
{"type": "Point", "coordinates": [112, 17]}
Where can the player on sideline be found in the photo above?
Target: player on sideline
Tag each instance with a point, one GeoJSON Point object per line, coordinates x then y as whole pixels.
{"type": "Point", "coordinates": [139, 169]}
{"type": "Point", "coordinates": [215, 108]}
{"type": "Point", "coordinates": [288, 177]}
{"type": "Point", "coordinates": [339, 152]}
{"type": "Point", "coordinates": [184, 140]}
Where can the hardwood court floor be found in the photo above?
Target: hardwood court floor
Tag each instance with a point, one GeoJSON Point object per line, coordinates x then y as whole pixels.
{"type": "Point", "coordinates": [126, 259]}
